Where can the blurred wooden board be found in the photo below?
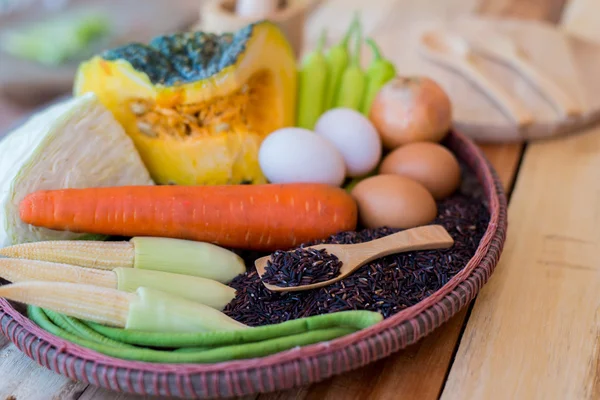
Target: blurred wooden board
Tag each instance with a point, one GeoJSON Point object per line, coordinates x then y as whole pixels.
{"type": "Point", "coordinates": [132, 20]}
{"type": "Point", "coordinates": [581, 19]}
{"type": "Point", "coordinates": [569, 61]}
{"type": "Point", "coordinates": [379, 16]}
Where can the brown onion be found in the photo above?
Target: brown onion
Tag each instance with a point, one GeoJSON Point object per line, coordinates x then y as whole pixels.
{"type": "Point", "coordinates": [411, 109]}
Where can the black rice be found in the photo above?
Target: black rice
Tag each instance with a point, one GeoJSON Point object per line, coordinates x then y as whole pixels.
{"type": "Point", "coordinates": [301, 267]}
{"type": "Point", "coordinates": [387, 285]}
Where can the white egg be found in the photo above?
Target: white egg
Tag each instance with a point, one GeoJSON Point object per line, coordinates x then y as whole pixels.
{"type": "Point", "coordinates": [300, 155]}
{"type": "Point", "coordinates": [354, 136]}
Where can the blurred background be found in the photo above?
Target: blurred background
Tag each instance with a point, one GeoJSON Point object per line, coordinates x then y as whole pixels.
{"type": "Point", "coordinates": [43, 41]}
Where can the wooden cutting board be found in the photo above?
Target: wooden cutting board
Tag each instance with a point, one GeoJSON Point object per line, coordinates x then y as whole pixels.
{"type": "Point", "coordinates": [571, 62]}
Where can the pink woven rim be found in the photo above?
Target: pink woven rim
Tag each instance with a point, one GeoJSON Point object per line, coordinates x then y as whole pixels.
{"type": "Point", "coordinates": [291, 368]}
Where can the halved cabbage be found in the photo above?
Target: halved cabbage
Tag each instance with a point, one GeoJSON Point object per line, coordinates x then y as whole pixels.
{"type": "Point", "coordinates": [74, 144]}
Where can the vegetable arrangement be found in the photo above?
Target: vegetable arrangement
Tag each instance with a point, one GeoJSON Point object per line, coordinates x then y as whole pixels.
{"type": "Point", "coordinates": [152, 309]}
{"type": "Point", "coordinates": [187, 145]}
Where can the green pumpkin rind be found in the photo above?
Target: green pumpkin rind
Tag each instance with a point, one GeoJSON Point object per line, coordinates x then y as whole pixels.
{"type": "Point", "coordinates": [183, 57]}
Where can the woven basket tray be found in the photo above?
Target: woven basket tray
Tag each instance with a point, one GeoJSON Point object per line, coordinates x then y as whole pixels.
{"type": "Point", "coordinates": [293, 367]}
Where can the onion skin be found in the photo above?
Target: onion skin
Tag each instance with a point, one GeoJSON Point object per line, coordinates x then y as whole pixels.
{"type": "Point", "coordinates": [411, 109]}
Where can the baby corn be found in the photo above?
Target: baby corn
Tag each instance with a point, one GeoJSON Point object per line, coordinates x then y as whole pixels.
{"type": "Point", "coordinates": [90, 303]}
{"type": "Point", "coordinates": [85, 253]}
{"type": "Point", "coordinates": [16, 270]}
{"type": "Point", "coordinates": [205, 291]}
{"type": "Point", "coordinates": [176, 256]}
{"type": "Point", "coordinates": [147, 309]}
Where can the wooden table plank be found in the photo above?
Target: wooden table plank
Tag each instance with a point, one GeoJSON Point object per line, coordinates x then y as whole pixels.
{"type": "Point", "coordinates": [21, 378]}
{"type": "Point", "coordinates": [505, 159]}
{"type": "Point", "coordinates": [96, 393]}
{"type": "Point", "coordinates": [534, 329]}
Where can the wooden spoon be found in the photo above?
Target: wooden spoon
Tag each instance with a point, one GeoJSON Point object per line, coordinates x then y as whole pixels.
{"type": "Point", "coordinates": [454, 52]}
{"type": "Point", "coordinates": [354, 256]}
{"type": "Point", "coordinates": [501, 48]}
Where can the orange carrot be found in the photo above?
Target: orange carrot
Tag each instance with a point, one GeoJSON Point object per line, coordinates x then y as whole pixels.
{"type": "Point", "coordinates": [259, 217]}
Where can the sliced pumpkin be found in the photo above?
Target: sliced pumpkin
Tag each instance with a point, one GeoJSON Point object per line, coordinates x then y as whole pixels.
{"type": "Point", "coordinates": [197, 105]}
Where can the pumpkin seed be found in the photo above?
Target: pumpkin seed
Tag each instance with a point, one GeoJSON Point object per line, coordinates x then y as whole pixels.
{"type": "Point", "coordinates": [146, 129]}
{"type": "Point", "coordinates": [138, 107]}
{"type": "Point", "coordinates": [166, 111]}
{"type": "Point", "coordinates": [190, 119]}
{"type": "Point", "coordinates": [222, 127]}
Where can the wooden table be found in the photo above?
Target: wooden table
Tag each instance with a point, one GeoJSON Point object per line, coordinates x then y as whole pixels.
{"type": "Point", "coordinates": [533, 331]}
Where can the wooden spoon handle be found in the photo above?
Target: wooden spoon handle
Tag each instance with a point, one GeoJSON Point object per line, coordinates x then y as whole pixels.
{"type": "Point", "coordinates": [560, 100]}
{"type": "Point", "coordinates": [428, 237]}
{"type": "Point", "coordinates": [511, 108]}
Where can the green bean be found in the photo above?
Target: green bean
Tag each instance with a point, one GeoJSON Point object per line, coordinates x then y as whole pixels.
{"type": "Point", "coordinates": [191, 349]}
{"type": "Point", "coordinates": [233, 352]}
{"type": "Point", "coordinates": [353, 319]}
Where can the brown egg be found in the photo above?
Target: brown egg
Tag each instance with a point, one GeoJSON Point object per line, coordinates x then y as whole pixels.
{"type": "Point", "coordinates": [431, 164]}
{"type": "Point", "coordinates": [394, 201]}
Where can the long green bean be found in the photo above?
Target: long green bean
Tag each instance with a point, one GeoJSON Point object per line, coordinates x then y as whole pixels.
{"type": "Point", "coordinates": [218, 354]}
{"type": "Point", "coordinates": [351, 319]}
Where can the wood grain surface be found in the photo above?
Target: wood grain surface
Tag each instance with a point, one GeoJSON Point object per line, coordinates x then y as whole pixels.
{"type": "Point", "coordinates": [533, 332]}
{"type": "Point", "coordinates": [420, 371]}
